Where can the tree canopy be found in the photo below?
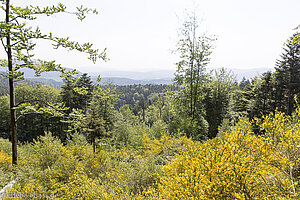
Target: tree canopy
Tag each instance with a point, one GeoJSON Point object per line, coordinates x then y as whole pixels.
{"type": "Point", "coordinates": [19, 41]}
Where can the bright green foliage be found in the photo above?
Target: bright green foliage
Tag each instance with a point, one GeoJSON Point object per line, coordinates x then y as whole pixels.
{"type": "Point", "coordinates": [124, 128]}
{"type": "Point", "coordinates": [194, 51]}
{"type": "Point", "coordinates": [149, 151]}
{"type": "Point", "coordinates": [22, 37]}
{"type": "Point", "coordinates": [155, 109]}
{"type": "Point", "coordinates": [217, 96]}
{"type": "Point", "coordinates": [19, 39]}
{"type": "Point", "coordinates": [38, 109]}
{"type": "Point", "coordinates": [173, 114]}
{"type": "Point", "coordinates": [5, 146]}
{"type": "Point", "coordinates": [296, 37]}
{"type": "Point", "coordinates": [51, 165]}
{"type": "Point", "coordinates": [158, 128]}
{"type": "Point", "coordinates": [4, 113]}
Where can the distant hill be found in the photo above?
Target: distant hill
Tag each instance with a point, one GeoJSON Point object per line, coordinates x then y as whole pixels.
{"type": "Point", "coordinates": [29, 81]}
{"type": "Point", "coordinates": [45, 81]}
{"type": "Point", "coordinates": [29, 74]}
{"type": "Point", "coordinates": [131, 77]}
{"type": "Point", "coordinates": [136, 75]}
{"type": "Point", "coordinates": [3, 84]}
{"type": "Point", "coordinates": [169, 74]}
{"type": "Point", "coordinates": [128, 81]}
{"type": "Point", "coordinates": [250, 73]}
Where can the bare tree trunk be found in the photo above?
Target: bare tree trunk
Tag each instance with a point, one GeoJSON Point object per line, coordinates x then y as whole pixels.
{"type": "Point", "coordinates": [11, 93]}
{"type": "Point", "coordinates": [94, 144]}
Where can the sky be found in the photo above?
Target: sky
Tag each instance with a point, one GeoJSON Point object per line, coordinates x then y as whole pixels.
{"type": "Point", "coordinates": [140, 34]}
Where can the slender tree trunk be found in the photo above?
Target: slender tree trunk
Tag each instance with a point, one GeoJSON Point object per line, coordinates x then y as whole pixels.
{"type": "Point", "coordinates": [144, 118]}
{"type": "Point", "coordinates": [191, 92]}
{"type": "Point", "coordinates": [289, 104]}
{"type": "Point", "coordinates": [94, 144]}
{"type": "Point", "coordinates": [160, 112]}
{"type": "Point", "coordinates": [193, 74]}
{"type": "Point", "coordinates": [11, 93]}
{"type": "Point", "coordinates": [197, 78]}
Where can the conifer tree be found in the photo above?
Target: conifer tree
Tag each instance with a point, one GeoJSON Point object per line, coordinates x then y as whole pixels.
{"type": "Point", "coordinates": [82, 100]}
{"type": "Point", "coordinates": [262, 100]}
{"type": "Point", "coordinates": [288, 75]}
{"type": "Point", "coordinates": [67, 94]}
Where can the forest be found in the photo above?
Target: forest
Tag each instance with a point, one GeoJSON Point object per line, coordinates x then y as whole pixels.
{"type": "Point", "coordinates": [205, 136]}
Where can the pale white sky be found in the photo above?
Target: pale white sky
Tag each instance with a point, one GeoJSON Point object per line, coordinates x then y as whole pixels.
{"type": "Point", "coordinates": [140, 34]}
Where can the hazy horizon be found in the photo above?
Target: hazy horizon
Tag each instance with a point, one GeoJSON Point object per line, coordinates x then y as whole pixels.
{"type": "Point", "coordinates": [140, 35]}
{"type": "Point", "coordinates": [164, 74]}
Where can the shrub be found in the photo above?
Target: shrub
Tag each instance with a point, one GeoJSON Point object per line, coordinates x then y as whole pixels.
{"type": "Point", "coordinates": [158, 128]}
{"type": "Point", "coordinates": [5, 146]}
{"type": "Point", "coordinates": [242, 166]}
{"type": "Point", "coordinates": [5, 169]}
{"type": "Point", "coordinates": [5, 161]}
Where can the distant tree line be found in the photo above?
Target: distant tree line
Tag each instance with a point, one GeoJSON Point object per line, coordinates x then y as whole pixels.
{"type": "Point", "coordinates": [199, 104]}
{"type": "Point", "coordinates": [198, 112]}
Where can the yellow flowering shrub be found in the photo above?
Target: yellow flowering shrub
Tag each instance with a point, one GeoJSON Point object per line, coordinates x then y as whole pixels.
{"type": "Point", "coordinates": [95, 164]}
{"type": "Point", "coordinates": [28, 191]}
{"type": "Point", "coordinates": [282, 134]}
{"type": "Point", "coordinates": [79, 186]}
{"type": "Point", "coordinates": [6, 169]}
{"type": "Point", "coordinates": [241, 166]}
{"type": "Point", "coordinates": [5, 161]}
{"type": "Point", "coordinates": [166, 147]}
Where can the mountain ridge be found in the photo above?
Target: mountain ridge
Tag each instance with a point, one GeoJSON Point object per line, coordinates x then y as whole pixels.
{"type": "Point", "coordinates": [133, 77]}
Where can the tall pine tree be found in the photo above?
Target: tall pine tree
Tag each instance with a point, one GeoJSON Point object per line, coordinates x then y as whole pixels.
{"type": "Point", "coordinates": [288, 75]}
{"type": "Point", "coordinates": [83, 98]}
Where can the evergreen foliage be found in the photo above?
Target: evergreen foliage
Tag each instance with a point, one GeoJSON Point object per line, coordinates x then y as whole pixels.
{"type": "Point", "coordinates": [288, 75]}
{"type": "Point", "coordinates": [82, 99]}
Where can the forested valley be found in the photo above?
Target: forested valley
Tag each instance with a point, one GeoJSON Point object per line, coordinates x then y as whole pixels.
{"type": "Point", "coordinates": [205, 136]}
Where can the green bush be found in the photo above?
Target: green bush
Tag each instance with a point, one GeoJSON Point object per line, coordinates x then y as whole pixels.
{"type": "Point", "coordinates": [158, 128]}
{"type": "Point", "coordinates": [5, 146]}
